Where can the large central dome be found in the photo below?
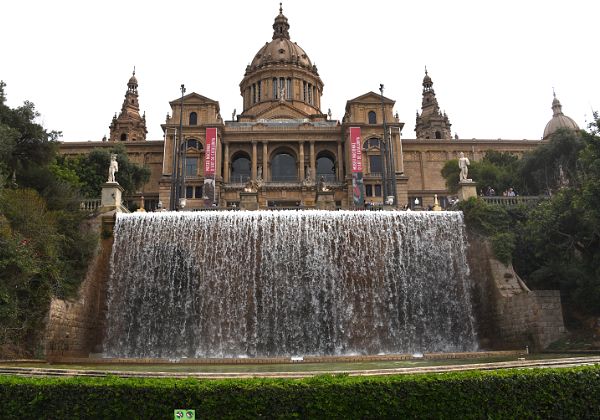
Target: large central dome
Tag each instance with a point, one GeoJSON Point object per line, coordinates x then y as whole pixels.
{"type": "Point", "coordinates": [281, 81]}
{"type": "Point", "coordinates": [281, 49]}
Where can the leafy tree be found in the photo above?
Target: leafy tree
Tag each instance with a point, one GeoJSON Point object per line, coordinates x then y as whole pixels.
{"type": "Point", "coordinates": [89, 171]}
{"type": "Point", "coordinates": [554, 164]}
{"type": "Point", "coordinates": [497, 169]}
{"type": "Point", "coordinates": [23, 143]}
{"type": "Point", "coordinates": [43, 251]}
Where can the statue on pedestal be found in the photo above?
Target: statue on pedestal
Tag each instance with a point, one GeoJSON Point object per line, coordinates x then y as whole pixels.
{"type": "Point", "coordinates": [113, 168]}
{"type": "Point", "coordinates": [463, 164]}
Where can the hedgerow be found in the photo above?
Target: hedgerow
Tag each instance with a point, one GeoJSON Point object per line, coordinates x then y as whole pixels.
{"type": "Point", "coordinates": [534, 393]}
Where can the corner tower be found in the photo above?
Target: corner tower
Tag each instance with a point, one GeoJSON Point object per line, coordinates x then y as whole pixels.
{"type": "Point", "coordinates": [129, 125]}
{"type": "Point", "coordinates": [432, 123]}
{"type": "Point", "coordinates": [281, 82]}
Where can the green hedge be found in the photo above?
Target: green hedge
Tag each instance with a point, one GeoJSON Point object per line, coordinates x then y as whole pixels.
{"type": "Point", "coordinates": [532, 393]}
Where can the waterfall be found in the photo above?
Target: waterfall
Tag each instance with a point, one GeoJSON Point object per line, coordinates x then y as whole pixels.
{"type": "Point", "coordinates": [284, 283]}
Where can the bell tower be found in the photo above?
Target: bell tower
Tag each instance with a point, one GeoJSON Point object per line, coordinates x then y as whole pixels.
{"type": "Point", "coordinates": [129, 125]}
{"type": "Point", "coordinates": [431, 123]}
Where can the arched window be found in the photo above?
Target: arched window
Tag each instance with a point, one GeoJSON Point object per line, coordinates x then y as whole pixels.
{"type": "Point", "coordinates": [283, 168]}
{"type": "Point", "coordinates": [240, 168]}
{"type": "Point", "coordinates": [193, 144]}
{"type": "Point", "coordinates": [371, 144]}
{"type": "Point", "coordinates": [325, 168]}
{"type": "Point", "coordinates": [193, 118]}
{"type": "Point", "coordinates": [438, 135]}
{"type": "Point", "coordinates": [123, 137]}
{"type": "Point", "coordinates": [372, 117]}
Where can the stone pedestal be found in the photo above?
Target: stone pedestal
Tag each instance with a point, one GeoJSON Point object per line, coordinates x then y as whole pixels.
{"type": "Point", "coordinates": [467, 189]}
{"type": "Point", "coordinates": [325, 200]}
{"type": "Point", "coordinates": [112, 198]}
{"type": "Point", "coordinates": [249, 200]}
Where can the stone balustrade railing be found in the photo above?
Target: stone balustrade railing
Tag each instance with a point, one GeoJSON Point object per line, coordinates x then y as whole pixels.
{"type": "Point", "coordinates": [90, 205]}
{"type": "Point", "coordinates": [527, 200]}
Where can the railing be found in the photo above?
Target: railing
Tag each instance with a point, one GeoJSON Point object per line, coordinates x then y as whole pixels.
{"type": "Point", "coordinates": [526, 200]}
{"type": "Point", "coordinates": [90, 205]}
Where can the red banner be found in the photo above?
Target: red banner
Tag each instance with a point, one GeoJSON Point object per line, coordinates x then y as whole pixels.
{"type": "Point", "coordinates": [210, 150]}
{"type": "Point", "coordinates": [355, 149]}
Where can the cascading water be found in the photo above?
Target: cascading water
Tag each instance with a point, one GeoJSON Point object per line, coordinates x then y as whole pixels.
{"type": "Point", "coordinates": [284, 283]}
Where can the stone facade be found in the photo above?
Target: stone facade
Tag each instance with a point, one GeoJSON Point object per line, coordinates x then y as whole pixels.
{"type": "Point", "coordinates": [284, 141]}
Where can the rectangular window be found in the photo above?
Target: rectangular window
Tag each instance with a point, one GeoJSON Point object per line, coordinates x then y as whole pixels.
{"type": "Point", "coordinates": [191, 166]}
{"type": "Point", "coordinates": [375, 164]}
{"type": "Point", "coordinates": [275, 91]}
{"type": "Point", "coordinates": [288, 90]}
{"type": "Point", "coordinates": [259, 90]}
{"type": "Point", "coordinates": [369, 190]}
{"type": "Point", "coordinates": [378, 190]}
{"type": "Point", "coordinates": [199, 191]}
{"type": "Point", "coordinates": [189, 192]}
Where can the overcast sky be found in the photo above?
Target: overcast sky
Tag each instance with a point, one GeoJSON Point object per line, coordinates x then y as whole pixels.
{"type": "Point", "coordinates": [493, 63]}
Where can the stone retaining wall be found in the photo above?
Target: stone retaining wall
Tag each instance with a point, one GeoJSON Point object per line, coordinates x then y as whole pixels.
{"type": "Point", "coordinates": [74, 328]}
{"type": "Point", "coordinates": [510, 315]}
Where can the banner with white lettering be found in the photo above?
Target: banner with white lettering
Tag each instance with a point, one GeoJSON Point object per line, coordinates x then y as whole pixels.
{"type": "Point", "coordinates": [210, 149]}
{"type": "Point", "coordinates": [358, 196]}
{"type": "Point", "coordinates": [210, 159]}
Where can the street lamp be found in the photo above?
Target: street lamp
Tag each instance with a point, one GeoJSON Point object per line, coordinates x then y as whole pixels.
{"type": "Point", "coordinates": [178, 174]}
{"type": "Point", "coordinates": [388, 162]}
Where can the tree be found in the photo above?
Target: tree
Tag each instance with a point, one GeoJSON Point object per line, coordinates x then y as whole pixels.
{"type": "Point", "coordinates": [90, 171]}
{"type": "Point", "coordinates": [23, 143]}
{"type": "Point", "coordinates": [497, 169]}
{"type": "Point", "coordinates": [43, 251]}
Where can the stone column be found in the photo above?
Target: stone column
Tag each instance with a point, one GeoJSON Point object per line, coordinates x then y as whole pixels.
{"type": "Point", "coordinates": [265, 162]}
{"type": "Point", "coordinates": [254, 155]}
{"type": "Point", "coordinates": [301, 159]}
{"type": "Point", "coordinates": [340, 163]}
{"type": "Point", "coordinates": [313, 166]}
{"type": "Point", "coordinates": [226, 166]}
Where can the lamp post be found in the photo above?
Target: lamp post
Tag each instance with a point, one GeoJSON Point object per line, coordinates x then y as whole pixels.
{"type": "Point", "coordinates": [172, 196]}
{"type": "Point", "coordinates": [388, 161]}
{"type": "Point", "coordinates": [179, 160]}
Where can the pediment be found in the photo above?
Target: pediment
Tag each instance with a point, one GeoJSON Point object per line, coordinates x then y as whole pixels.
{"type": "Point", "coordinates": [281, 110]}
{"type": "Point", "coordinates": [371, 97]}
{"type": "Point", "coordinates": [194, 98]}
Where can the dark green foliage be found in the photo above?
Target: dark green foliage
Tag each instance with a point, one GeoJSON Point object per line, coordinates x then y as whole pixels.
{"type": "Point", "coordinates": [43, 251]}
{"type": "Point", "coordinates": [23, 143]}
{"type": "Point", "coordinates": [90, 171]}
{"type": "Point", "coordinates": [555, 245]}
{"type": "Point", "coordinates": [498, 170]}
{"type": "Point", "coordinates": [536, 393]}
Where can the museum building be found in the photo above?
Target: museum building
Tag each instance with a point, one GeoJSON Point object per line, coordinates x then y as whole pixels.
{"type": "Point", "coordinates": [286, 148]}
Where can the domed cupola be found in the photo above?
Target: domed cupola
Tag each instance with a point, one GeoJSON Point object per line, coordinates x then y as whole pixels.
{"type": "Point", "coordinates": [281, 75]}
{"type": "Point", "coordinates": [559, 120]}
{"type": "Point", "coordinates": [281, 26]}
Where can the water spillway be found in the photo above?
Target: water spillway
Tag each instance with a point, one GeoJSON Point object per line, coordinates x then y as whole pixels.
{"type": "Point", "coordinates": [285, 283]}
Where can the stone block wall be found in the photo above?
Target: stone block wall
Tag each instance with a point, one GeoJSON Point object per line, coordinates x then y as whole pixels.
{"type": "Point", "coordinates": [509, 315]}
{"type": "Point", "coordinates": [74, 328]}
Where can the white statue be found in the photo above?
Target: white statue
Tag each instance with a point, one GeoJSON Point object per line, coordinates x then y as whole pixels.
{"type": "Point", "coordinates": [463, 164]}
{"type": "Point", "coordinates": [113, 168]}
{"type": "Point", "coordinates": [259, 173]}
{"type": "Point", "coordinates": [323, 185]}
{"type": "Point", "coordinates": [282, 94]}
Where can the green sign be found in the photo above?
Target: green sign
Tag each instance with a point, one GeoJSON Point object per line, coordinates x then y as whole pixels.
{"type": "Point", "coordinates": [184, 414]}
